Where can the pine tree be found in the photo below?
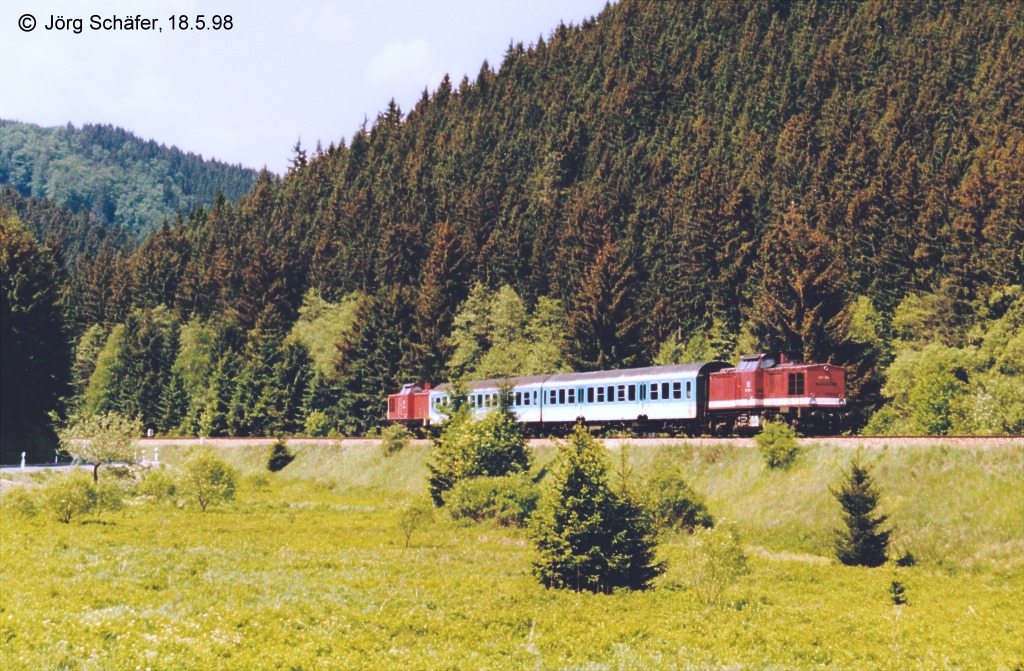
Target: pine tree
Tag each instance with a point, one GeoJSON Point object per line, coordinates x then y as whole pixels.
{"type": "Point", "coordinates": [605, 331]}
{"type": "Point", "coordinates": [587, 537]}
{"type": "Point", "coordinates": [444, 288]}
{"type": "Point", "coordinates": [36, 354]}
{"type": "Point", "coordinates": [369, 361]}
{"type": "Point", "coordinates": [862, 542]}
{"type": "Point", "coordinates": [801, 307]}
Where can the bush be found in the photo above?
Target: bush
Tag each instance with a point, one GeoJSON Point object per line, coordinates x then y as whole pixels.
{"type": "Point", "coordinates": [258, 482]}
{"type": "Point", "coordinates": [673, 505]}
{"type": "Point", "coordinates": [157, 484]}
{"type": "Point", "coordinates": [777, 443]}
{"type": "Point", "coordinates": [109, 496]}
{"type": "Point", "coordinates": [208, 479]}
{"type": "Point", "coordinates": [318, 424]}
{"type": "Point", "coordinates": [279, 457]}
{"type": "Point", "coordinates": [509, 500]}
{"type": "Point", "coordinates": [469, 447]}
{"type": "Point", "coordinates": [69, 494]}
{"type": "Point", "coordinates": [20, 501]}
{"type": "Point", "coordinates": [713, 561]}
{"type": "Point", "coordinates": [395, 438]}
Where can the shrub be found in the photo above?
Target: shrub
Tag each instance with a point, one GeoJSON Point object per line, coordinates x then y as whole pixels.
{"type": "Point", "coordinates": [69, 494]}
{"type": "Point", "coordinates": [862, 542]}
{"type": "Point", "coordinates": [897, 591]}
{"type": "Point", "coordinates": [279, 457]}
{"type": "Point", "coordinates": [673, 505]}
{"type": "Point", "coordinates": [469, 447]}
{"type": "Point", "coordinates": [713, 561]}
{"type": "Point", "coordinates": [318, 424]}
{"type": "Point", "coordinates": [395, 438]}
{"type": "Point", "coordinates": [20, 501]}
{"type": "Point", "coordinates": [586, 536]}
{"type": "Point", "coordinates": [509, 500]}
{"type": "Point", "coordinates": [109, 496]}
{"type": "Point", "coordinates": [258, 482]}
{"type": "Point", "coordinates": [777, 443]}
{"type": "Point", "coordinates": [157, 484]}
{"type": "Point", "coordinates": [208, 479]}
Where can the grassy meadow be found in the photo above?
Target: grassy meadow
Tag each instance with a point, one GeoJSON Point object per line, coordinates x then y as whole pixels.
{"type": "Point", "coordinates": [308, 569]}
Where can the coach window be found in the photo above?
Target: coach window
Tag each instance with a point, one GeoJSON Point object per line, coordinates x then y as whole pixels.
{"type": "Point", "coordinates": [632, 392]}
{"type": "Point", "coordinates": [643, 392]}
{"type": "Point", "coordinates": [600, 394]}
{"type": "Point", "coordinates": [590, 394]}
{"type": "Point", "coordinates": [654, 391]}
{"type": "Point", "coordinates": [689, 389]}
{"type": "Point", "coordinates": [622, 392]}
{"type": "Point", "coordinates": [611, 393]}
{"type": "Point", "coordinates": [572, 396]}
{"type": "Point", "coordinates": [664, 390]}
{"type": "Point", "coordinates": [677, 390]}
{"type": "Point", "coordinates": [561, 397]}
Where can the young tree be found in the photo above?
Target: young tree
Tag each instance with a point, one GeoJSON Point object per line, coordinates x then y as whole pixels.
{"type": "Point", "coordinates": [101, 439]}
{"type": "Point", "coordinates": [862, 542]}
{"type": "Point", "coordinates": [713, 559]}
{"type": "Point", "coordinates": [208, 479]}
{"type": "Point", "coordinates": [586, 536]}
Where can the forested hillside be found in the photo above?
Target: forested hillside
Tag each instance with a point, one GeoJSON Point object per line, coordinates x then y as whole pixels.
{"type": "Point", "coordinates": [668, 181]}
{"type": "Point", "coordinates": [111, 174]}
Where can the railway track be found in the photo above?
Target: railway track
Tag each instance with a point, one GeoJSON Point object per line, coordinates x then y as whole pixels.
{"type": "Point", "coordinates": [850, 441]}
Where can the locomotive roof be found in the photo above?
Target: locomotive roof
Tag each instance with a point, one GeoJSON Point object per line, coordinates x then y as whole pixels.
{"type": "Point", "coordinates": [682, 370]}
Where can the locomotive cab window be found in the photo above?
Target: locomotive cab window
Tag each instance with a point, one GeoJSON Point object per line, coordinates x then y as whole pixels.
{"type": "Point", "coordinates": [796, 384]}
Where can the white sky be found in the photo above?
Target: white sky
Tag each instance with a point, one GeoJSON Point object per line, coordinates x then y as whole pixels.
{"type": "Point", "coordinates": [309, 69]}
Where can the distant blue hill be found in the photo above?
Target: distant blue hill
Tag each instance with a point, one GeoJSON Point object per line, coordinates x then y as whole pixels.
{"type": "Point", "coordinates": [112, 174]}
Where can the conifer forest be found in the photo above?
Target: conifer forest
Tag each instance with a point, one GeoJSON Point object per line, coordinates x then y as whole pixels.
{"type": "Point", "coordinates": [667, 182]}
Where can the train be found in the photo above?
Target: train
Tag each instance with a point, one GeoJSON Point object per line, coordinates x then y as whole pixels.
{"type": "Point", "coordinates": [712, 398]}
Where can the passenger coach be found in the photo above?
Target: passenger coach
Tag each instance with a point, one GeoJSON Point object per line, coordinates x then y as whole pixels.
{"type": "Point", "coordinates": [659, 398]}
